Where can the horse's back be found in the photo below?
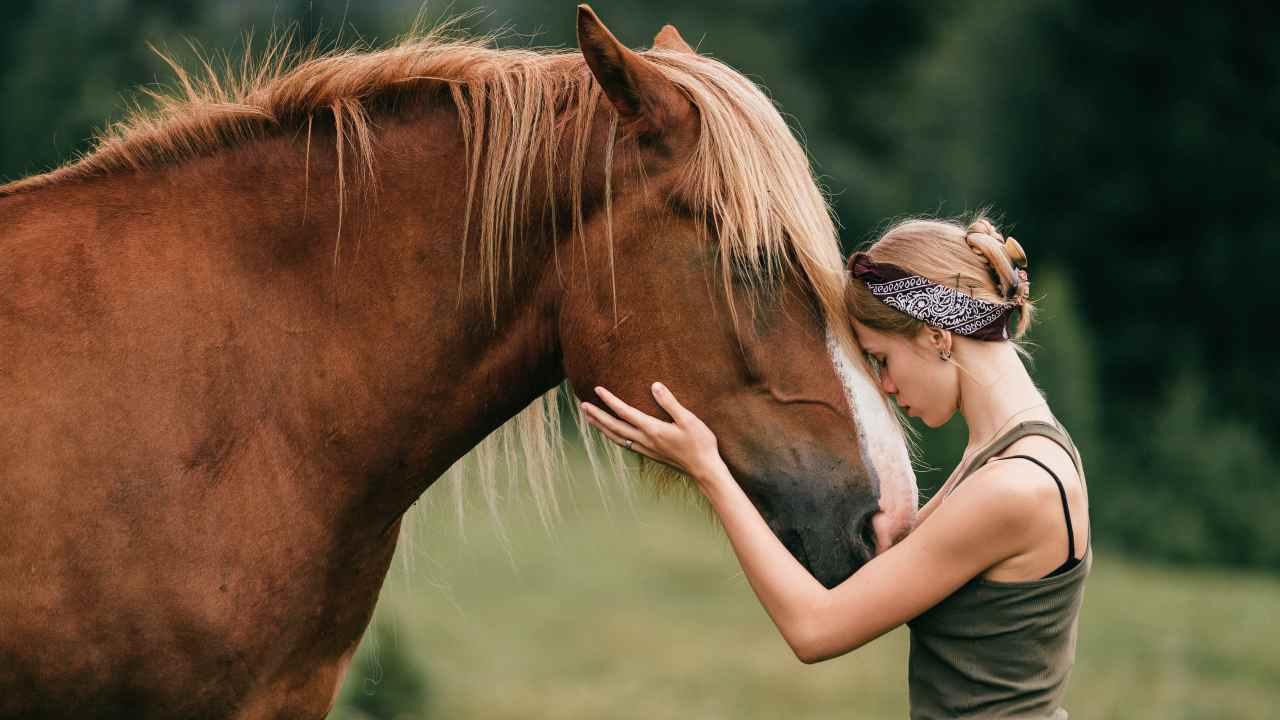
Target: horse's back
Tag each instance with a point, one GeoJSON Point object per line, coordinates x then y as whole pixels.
{"type": "Point", "coordinates": [134, 507]}
{"type": "Point", "coordinates": [64, 385]}
{"type": "Point", "coordinates": [68, 510]}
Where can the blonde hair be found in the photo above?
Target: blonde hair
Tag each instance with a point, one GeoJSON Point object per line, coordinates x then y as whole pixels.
{"type": "Point", "coordinates": [975, 259]}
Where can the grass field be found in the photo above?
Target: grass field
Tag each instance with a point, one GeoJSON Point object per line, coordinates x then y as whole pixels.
{"type": "Point", "coordinates": [639, 610]}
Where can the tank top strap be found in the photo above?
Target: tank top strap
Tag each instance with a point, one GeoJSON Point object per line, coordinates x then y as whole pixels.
{"type": "Point", "coordinates": [1051, 430]}
{"type": "Point", "coordinates": [1066, 507]}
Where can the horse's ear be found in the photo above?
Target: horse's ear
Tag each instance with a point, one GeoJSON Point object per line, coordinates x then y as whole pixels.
{"type": "Point", "coordinates": [642, 95]}
{"type": "Point", "coordinates": [669, 38]}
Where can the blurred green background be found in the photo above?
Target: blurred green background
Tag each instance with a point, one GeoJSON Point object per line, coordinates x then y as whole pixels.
{"type": "Point", "coordinates": [1133, 149]}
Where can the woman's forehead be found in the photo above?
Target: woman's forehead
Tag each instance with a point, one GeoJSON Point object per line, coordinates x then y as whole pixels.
{"type": "Point", "coordinates": [868, 338]}
{"type": "Point", "coordinates": [878, 341]}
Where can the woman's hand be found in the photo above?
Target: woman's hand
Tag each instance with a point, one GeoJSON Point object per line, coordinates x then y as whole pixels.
{"type": "Point", "coordinates": [686, 444]}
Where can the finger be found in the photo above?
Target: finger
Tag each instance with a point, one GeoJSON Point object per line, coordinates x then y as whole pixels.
{"type": "Point", "coordinates": [637, 418]}
{"type": "Point", "coordinates": [605, 421]}
{"type": "Point", "coordinates": [668, 401]}
{"type": "Point", "coordinates": [636, 446]}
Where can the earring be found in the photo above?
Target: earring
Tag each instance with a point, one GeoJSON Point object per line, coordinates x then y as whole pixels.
{"type": "Point", "coordinates": [945, 355]}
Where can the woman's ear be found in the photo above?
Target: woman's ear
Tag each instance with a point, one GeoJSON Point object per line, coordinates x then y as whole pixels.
{"type": "Point", "coordinates": [940, 340]}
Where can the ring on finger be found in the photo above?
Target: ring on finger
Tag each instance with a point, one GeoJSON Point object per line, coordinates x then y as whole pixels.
{"type": "Point", "coordinates": [627, 444]}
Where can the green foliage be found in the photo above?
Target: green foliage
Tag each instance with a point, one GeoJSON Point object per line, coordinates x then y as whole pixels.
{"type": "Point", "coordinates": [1064, 360]}
{"type": "Point", "coordinates": [1200, 488]}
{"type": "Point", "coordinates": [1184, 482]}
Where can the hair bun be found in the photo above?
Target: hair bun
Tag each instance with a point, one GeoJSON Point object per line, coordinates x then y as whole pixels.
{"type": "Point", "coordinates": [1007, 259]}
{"type": "Point", "coordinates": [1018, 257]}
{"type": "Point", "coordinates": [1016, 254]}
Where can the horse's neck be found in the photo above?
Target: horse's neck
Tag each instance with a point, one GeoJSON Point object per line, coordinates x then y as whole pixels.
{"type": "Point", "coordinates": [382, 368]}
{"type": "Point", "coordinates": [440, 368]}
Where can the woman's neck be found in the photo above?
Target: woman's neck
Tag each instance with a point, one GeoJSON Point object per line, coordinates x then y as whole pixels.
{"type": "Point", "coordinates": [996, 392]}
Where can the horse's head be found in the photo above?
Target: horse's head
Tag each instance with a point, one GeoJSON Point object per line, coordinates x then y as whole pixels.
{"type": "Point", "coordinates": [711, 263]}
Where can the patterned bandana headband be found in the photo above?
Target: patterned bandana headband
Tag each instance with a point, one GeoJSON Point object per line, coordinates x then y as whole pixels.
{"type": "Point", "coordinates": [940, 306]}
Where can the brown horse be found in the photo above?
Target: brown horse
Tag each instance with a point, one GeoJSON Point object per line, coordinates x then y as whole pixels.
{"type": "Point", "coordinates": [244, 334]}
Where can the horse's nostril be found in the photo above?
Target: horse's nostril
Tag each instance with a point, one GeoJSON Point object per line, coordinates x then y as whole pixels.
{"type": "Point", "coordinates": [865, 539]}
{"type": "Point", "coordinates": [888, 531]}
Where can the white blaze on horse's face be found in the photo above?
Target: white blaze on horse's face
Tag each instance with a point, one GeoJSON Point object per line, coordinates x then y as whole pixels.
{"type": "Point", "coordinates": [884, 451]}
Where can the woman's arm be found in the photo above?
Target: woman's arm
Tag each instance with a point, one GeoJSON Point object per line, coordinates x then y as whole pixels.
{"type": "Point", "coordinates": [986, 520]}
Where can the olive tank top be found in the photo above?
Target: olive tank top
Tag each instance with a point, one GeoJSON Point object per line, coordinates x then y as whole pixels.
{"type": "Point", "coordinates": [1000, 649]}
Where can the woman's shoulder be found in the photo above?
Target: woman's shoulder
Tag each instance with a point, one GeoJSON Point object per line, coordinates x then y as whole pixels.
{"type": "Point", "coordinates": [1054, 452]}
{"type": "Point", "coordinates": [995, 508]}
{"type": "Point", "coordinates": [1003, 488]}
{"type": "Point", "coordinates": [1024, 482]}
{"type": "Point", "coordinates": [1017, 487]}
{"type": "Point", "coordinates": [987, 477]}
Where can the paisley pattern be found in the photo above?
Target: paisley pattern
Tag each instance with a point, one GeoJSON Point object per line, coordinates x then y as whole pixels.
{"type": "Point", "coordinates": [944, 307]}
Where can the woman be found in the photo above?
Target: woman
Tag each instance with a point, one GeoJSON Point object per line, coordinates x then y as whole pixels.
{"type": "Point", "coordinates": [991, 579]}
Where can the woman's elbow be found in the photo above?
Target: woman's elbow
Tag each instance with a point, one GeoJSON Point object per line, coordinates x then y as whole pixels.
{"type": "Point", "coordinates": [814, 643]}
{"type": "Point", "coordinates": [811, 655]}
{"type": "Point", "coordinates": [807, 657]}
{"type": "Point", "coordinates": [808, 646]}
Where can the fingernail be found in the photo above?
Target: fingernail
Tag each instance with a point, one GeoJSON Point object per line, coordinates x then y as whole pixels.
{"type": "Point", "coordinates": [658, 386]}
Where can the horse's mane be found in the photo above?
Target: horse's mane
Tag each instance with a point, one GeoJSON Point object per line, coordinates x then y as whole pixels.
{"type": "Point", "coordinates": [747, 172]}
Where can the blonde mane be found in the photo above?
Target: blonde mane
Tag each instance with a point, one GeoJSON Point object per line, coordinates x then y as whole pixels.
{"type": "Point", "coordinates": [747, 172]}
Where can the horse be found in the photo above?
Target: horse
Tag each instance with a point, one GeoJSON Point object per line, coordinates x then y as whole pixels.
{"type": "Point", "coordinates": [243, 334]}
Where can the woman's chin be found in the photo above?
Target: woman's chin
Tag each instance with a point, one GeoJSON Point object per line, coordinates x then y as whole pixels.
{"type": "Point", "coordinates": [935, 421]}
{"type": "Point", "coordinates": [922, 417]}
